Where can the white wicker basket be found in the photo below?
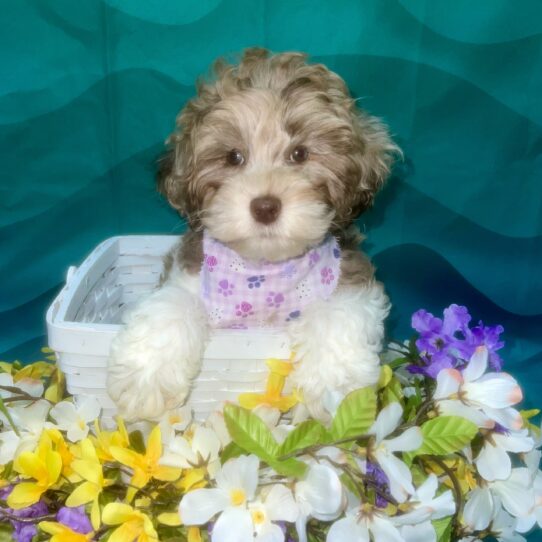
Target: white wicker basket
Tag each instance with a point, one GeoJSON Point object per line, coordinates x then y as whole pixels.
{"type": "Point", "coordinates": [86, 315]}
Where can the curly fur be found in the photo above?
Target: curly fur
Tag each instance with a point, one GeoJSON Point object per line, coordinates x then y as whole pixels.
{"type": "Point", "coordinates": [264, 107]}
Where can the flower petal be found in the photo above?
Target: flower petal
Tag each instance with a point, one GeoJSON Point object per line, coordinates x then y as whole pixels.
{"type": "Point", "coordinates": [493, 463]}
{"type": "Point", "coordinates": [399, 475]}
{"type": "Point", "coordinates": [24, 495]}
{"type": "Point", "coordinates": [239, 473]}
{"type": "Point", "coordinates": [509, 418]}
{"type": "Point", "coordinates": [281, 505]}
{"type": "Point", "coordinates": [479, 509]}
{"type": "Point", "coordinates": [321, 491]}
{"type": "Point", "coordinates": [495, 390]}
{"type": "Point", "coordinates": [457, 408]}
{"type": "Point", "coordinates": [115, 513]}
{"type": "Point", "coordinates": [233, 525]}
{"type": "Point", "coordinates": [448, 382]}
{"type": "Point", "coordinates": [82, 494]}
{"type": "Point", "coordinates": [198, 506]}
{"type": "Point", "coordinates": [477, 364]}
{"type": "Point", "coordinates": [409, 440]}
{"type": "Point", "coordinates": [422, 532]}
{"type": "Point", "coordinates": [347, 530]}
{"type": "Point", "coordinates": [518, 442]}
{"type": "Point", "coordinates": [383, 530]}
{"type": "Point", "coordinates": [516, 493]}
{"type": "Point", "coordinates": [386, 421]}
{"type": "Point", "coordinates": [88, 407]}
{"type": "Point", "coordinates": [206, 443]}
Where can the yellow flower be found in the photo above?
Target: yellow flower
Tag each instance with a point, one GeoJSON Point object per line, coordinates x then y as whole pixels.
{"type": "Point", "coordinates": [194, 534]}
{"type": "Point", "coordinates": [171, 519]}
{"type": "Point", "coordinates": [89, 469]}
{"type": "Point", "coordinates": [145, 466]}
{"type": "Point", "coordinates": [6, 367]}
{"type": "Point", "coordinates": [62, 533]}
{"type": "Point", "coordinates": [106, 439]}
{"type": "Point", "coordinates": [192, 479]}
{"type": "Point", "coordinates": [35, 371]}
{"type": "Point", "coordinates": [272, 397]}
{"type": "Point", "coordinates": [44, 465]}
{"type": "Point", "coordinates": [134, 525]}
{"type": "Point", "coordinates": [67, 453]}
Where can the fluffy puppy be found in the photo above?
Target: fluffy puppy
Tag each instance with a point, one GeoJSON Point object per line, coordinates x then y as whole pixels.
{"type": "Point", "coordinates": [270, 164]}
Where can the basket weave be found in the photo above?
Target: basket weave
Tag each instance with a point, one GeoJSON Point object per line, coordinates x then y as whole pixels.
{"type": "Point", "coordinates": [86, 315]}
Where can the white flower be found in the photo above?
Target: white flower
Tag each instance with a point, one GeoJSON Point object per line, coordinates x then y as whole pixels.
{"type": "Point", "coordinates": [516, 495]}
{"type": "Point", "coordinates": [30, 422]}
{"type": "Point", "coordinates": [425, 506]}
{"type": "Point", "coordinates": [482, 398]}
{"type": "Point", "coordinates": [363, 523]}
{"type": "Point", "coordinates": [75, 417]}
{"type": "Point", "coordinates": [30, 386]}
{"type": "Point", "coordinates": [217, 423]}
{"type": "Point", "coordinates": [421, 532]}
{"type": "Point", "coordinates": [174, 420]}
{"type": "Point", "coordinates": [493, 461]}
{"type": "Point", "coordinates": [201, 450]}
{"type": "Point", "coordinates": [278, 505]}
{"type": "Point", "coordinates": [504, 527]}
{"type": "Point", "coordinates": [236, 485]}
{"type": "Point", "coordinates": [526, 523]}
{"type": "Point", "coordinates": [399, 475]}
{"type": "Point", "coordinates": [319, 495]}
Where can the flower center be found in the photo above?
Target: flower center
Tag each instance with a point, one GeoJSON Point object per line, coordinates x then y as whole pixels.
{"type": "Point", "coordinates": [258, 517]}
{"type": "Point", "coordinates": [81, 424]}
{"type": "Point", "coordinates": [175, 418]}
{"type": "Point", "coordinates": [237, 497]}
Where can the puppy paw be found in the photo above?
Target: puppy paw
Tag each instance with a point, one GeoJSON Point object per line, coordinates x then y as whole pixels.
{"type": "Point", "coordinates": [155, 357]}
{"type": "Point", "coordinates": [337, 343]}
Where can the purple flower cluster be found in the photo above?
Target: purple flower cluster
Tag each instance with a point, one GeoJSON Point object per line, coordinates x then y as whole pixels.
{"type": "Point", "coordinates": [450, 342]}
{"type": "Point", "coordinates": [23, 531]}
{"type": "Point", "coordinates": [379, 476]}
{"type": "Point", "coordinates": [75, 519]}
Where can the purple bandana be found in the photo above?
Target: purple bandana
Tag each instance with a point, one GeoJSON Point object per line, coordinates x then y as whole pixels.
{"type": "Point", "coordinates": [241, 294]}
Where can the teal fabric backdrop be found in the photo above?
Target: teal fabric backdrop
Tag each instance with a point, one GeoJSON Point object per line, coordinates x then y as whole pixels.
{"type": "Point", "coordinates": [90, 89]}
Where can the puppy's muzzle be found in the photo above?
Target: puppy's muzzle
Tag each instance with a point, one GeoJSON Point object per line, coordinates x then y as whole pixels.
{"type": "Point", "coordinates": [265, 209]}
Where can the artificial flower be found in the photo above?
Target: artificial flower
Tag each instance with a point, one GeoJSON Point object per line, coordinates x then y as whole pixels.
{"type": "Point", "coordinates": [236, 484]}
{"type": "Point", "coordinates": [174, 421]}
{"type": "Point", "coordinates": [200, 451]}
{"type": "Point", "coordinates": [485, 399]}
{"type": "Point", "coordinates": [145, 466]}
{"type": "Point", "coordinates": [398, 474]}
{"type": "Point", "coordinates": [362, 523]}
{"type": "Point", "coordinates": [135, 526]}
{"type": "Point", "coordinates": [30, 421]}
{"type": "Point", "coordinates": [62, 533]}
{"type": "Point", "coordinates": [29, 386]}
{"type": "Point", "coordinates": [319, 495]}
{"type": "Point", "coordinates": [75, 417]}
{"type": "Point", "coordinates": [104, 440]}
{"type": "Point", "coordinates": [74, 518]}
{"type": "Point", "coordinates": [277, 505]}
{"type": "Point", "coordinates": [526, 523]}
{"type": "Point", "coordinates": [44, 466]}
{"type": "Point", "coordinates": [23, 531]}
{"type": "Point", "coordinates": [272, 396]}
{"type": "Point", "coordinates": [493, 461]}
{"type": "Point", "coordinates": [89, 469]}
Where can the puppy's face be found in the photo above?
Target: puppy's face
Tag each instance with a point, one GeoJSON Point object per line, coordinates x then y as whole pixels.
{"type": "Point", "coordinates": [273, 155]}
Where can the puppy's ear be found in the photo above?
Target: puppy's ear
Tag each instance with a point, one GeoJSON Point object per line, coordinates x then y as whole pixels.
{"type": "Point", "coordinates": [374, 154]}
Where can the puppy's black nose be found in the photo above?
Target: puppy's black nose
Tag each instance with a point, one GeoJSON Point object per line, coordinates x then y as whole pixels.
{"type": "Point", "coordinates": [265, 209]}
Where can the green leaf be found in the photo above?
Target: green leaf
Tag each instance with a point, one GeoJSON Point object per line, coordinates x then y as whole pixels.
{"type": "Point", "coordinates": [443, 529]}
{"type": "Point", "coordinates": [6, 532]}
{"type": "Point", "coordinates": [250, 433]}
{"type": "Point", "coordinates": [392, 393]}
{"type": "Point", "coordinates": [355, 414]}
{"type": "Point", "coordinates": [446, 434]}
{"type": "Point", "coordinates": [304, 435]}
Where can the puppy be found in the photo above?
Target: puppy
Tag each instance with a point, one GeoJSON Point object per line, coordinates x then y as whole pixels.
{"type": "Point", "coordinates": [270, 164]}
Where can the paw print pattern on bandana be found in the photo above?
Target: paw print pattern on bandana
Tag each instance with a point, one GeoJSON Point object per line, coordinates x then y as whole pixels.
{"type": "Point", "coordinates": [244, 309]}
{"type": "Point", "coordinates": [314, 258]}
{"type": "Point", "coordinates": [245, 294]}
{"type": "Point", "coordinates": [255, 281]}
{"type": "Point", "coordinates": [211, 262]}
{"type": "Point", "coordinates": [327, 275]}
{"type": "Point", "coordinates": [225, 287]}
{"type": "Point", "coordinates": [274, 299]}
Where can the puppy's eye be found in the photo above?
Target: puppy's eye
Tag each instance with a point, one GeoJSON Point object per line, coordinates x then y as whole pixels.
{"type": "Point", "coordinates": [300, 154]}
{"type": "Point", "coordinates": [235, 158]}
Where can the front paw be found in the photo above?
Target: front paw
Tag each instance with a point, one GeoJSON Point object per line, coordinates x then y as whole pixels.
{"type": "Point", "coordinates": [155, 357]}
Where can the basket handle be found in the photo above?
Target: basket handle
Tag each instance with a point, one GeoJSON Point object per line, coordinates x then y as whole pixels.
{"type": "Point", "coordinates": [71, 271]}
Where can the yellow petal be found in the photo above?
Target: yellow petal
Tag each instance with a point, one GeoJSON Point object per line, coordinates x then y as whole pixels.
{"type": "Point", "coordinates": [126, 457]}
{"type": "Point", "coordinates": [53, 462]}
{"type": "Point", "coordinates": [51, 527]}
{"type": "Point", "coordinates": [140, 478]}
{"type": "Point", "coordinates": [88, 452]}
{"type": "Point", "coordinates": [154, 445]}
{"type": "Point", "coordinates": [95, 514]}
{"type": "Point", "coordinates": [251, 400]}
{"type": "Point", "coordinates": [126, 533]}
{"type": "Point", "coordinates": [385, 376]}
{"type": "Point", "coordinates": [279, 366]}
{"type": "Point", "coordinates": [6, 367]}
{"type": "Point", "coordinates": [285, 403]}
{"type": "Point", "coordinates": [115, 513]}
{"type": "Point", "coordinates": [171, 519]}
{"type": "Point", "coordinates": [31, 465]}
{"type": "Point", "coordinates": [194, 534]}
{"type": "Point", "coordinates": [192, 478]}
{"type": "Point", "coordinates": [167, 474]}
{"type": "Point", "coordinates": [25, 494]}
{"type": "Point", "coordinates": [86, 492]}
{"type": "Point", "coordinates": [89, 471]}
